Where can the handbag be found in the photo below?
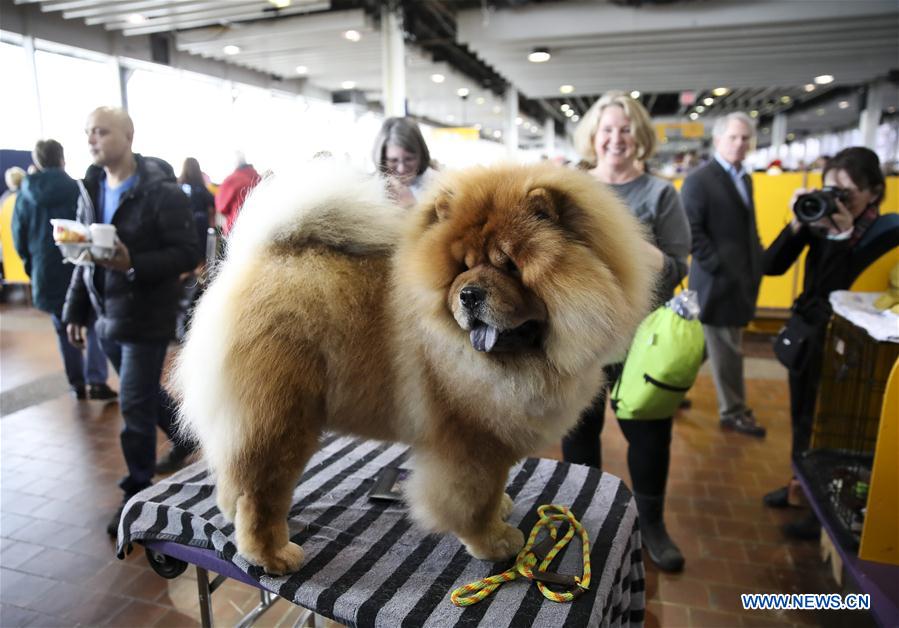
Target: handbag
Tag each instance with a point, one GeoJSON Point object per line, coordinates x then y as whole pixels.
{"type": "Point", "coordinates": [791, 347]}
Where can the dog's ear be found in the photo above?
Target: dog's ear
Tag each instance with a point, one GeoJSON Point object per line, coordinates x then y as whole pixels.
{"type": "Point", "coordinates": [438, 207]}
{"type": "Point", "coordinates": [546, 204]}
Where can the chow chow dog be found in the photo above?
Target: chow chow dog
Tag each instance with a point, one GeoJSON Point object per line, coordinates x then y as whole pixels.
{"type": "Point", "coordinates": [473, 328]}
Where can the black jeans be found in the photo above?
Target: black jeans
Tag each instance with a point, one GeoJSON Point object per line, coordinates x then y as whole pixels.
{"type": "Point", "coordinates": [649, 442]}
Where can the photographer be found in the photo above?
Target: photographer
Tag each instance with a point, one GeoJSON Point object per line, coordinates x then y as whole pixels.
{"type": "Point", "coordinates": [842, 227]}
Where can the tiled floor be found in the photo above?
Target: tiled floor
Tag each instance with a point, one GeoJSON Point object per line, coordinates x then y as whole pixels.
{"type": "Point", "coordinates": [60, 461]}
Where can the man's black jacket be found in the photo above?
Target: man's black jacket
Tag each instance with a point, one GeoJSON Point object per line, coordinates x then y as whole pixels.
{"type": "Point", "coordinates": [155, 222]}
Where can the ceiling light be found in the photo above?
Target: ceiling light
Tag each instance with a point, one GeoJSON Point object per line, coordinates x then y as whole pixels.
{"type": "Point", "coordinates": [791, 136]}
{"type": "Point", "coordinates": [820, 111]}
{"type": "Point", "coordinates": [786, 100]}
{"type": "Point", "coordinates": [754, 113]}
{"type": "Point", "coordinates": [565, 106]}
{"type": "Point", "coordinates": [635, 94]}
{"type": "Point", "coordinates": [720, 91]}
{"type": "Point", "coordinates": [569, 112]}
{"type": "Point", "coordinates": [438, 78]}
{"type": "Point", "coordinates": [463, 92]}
{"type": "Point", "coordinates": [766, 131]}
{"type": "Point", "coordinates": [891, 109]}
{"type": "Point", "coordinates": [279, 4]}
{"type": "Point", "coordinates": [348, 84]}
{"type": "Point", "coordinates": [497, 134]}
{"type": "Point", "coordinates": [352, 35]}
{"type": "Point", "coordinates": [809, 87]}
{"type": "Point", "coordinates": [566, 89]}
{"type": "Point", "coordinates": [824, 79]}
{"type": "Point", "coordinates": [519, 120]}
{"type": "Point", "coordinates": [136, 18]}
{"type": "Point", "coordinates": [694, 116]}
{"type": "Point", "coordinates": [539, 55]}
{"type": "Point", "coordinates": [700, 109]}
{"type": "Point", "coordinates": [478, 126]}
{"type": "Point", "coordinates": [843, 104]}
{"type": "Point", "coordinates": [708, 102]}
{"type": "Point", "coordinates": [575, 118]}
{"type": "Point", "coordinates": [480, 100]}
{"type": "Point", "coordinates": [497, 109]}
{"type": "Point", "coordinates": [231, 49]}
{"type": "Point", "coordinates": [302, 69]}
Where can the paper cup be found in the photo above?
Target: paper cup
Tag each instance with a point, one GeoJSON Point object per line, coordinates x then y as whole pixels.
{"type": "Point", "coordinates": [103, 235]}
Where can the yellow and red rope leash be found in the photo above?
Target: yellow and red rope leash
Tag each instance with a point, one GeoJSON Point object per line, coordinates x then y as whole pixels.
{"type": "Point", "coordinates": [528, 557]}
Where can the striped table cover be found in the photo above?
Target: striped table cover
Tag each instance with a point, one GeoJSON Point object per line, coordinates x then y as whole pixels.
{"type": "Point", "coordinates": [368, 565]}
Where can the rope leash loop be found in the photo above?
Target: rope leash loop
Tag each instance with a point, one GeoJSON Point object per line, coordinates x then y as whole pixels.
{"type": "Point", "coordinates": [533, 552]}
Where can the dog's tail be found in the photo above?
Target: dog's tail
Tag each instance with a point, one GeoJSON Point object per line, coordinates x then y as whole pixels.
{"type": "Point", "coordinates": [324, 202]}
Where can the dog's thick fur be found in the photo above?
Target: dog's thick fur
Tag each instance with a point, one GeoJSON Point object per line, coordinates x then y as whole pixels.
{"type": "Point", "coordinates": [337, 310]}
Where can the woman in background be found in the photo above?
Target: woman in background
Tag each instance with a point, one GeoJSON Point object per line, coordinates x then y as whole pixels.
{"type": "Point", "coordinates": [202, 202]}
{"type": "Point", "coordinates": [402, 156]}
{"type": "Point", "coordinates": [616, 135]}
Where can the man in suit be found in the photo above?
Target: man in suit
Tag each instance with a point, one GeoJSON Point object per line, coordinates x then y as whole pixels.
{"type": "Point", "coordinates": [726, 270]}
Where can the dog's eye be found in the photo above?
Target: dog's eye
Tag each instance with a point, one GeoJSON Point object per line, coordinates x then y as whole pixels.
{"type": "Point", "coordinates": [511, 268]}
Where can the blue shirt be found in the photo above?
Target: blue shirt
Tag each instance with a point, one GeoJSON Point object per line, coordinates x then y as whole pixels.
{"type": "Point", "coordinates": [737, 175]}
{"type": "Point", "coordinates": [110, 198]}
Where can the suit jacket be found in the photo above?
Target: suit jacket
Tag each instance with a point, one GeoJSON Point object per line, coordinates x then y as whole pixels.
{"type": "Point", "coordinates": [726, 269]}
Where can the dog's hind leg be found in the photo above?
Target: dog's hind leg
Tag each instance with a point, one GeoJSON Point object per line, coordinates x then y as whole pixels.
{"type": "Point", "coordinates": [264, 500]}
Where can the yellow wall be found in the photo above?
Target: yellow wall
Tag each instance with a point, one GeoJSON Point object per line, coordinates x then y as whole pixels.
{"type": "Point", "coordinates": [772, 201]}
{"type": "Point", "coordinates": [13, 268]}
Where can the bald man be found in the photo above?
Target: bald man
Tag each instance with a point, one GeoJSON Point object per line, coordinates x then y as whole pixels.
{"type": "Point", "coordinates": [134, 294]}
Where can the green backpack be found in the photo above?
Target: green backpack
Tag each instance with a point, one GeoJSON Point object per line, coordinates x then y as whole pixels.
{"type": "Point", "coordinates": [662, 362]}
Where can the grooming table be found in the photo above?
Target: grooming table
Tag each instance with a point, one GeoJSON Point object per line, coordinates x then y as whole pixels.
{"type": "Point", "coordinates": [366, 563]}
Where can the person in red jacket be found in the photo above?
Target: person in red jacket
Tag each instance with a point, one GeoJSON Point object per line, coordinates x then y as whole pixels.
{"type": "Point", "coordinates": [234, 190]}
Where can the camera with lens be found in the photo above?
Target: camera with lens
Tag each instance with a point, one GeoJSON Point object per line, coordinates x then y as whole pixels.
{"type": "Point", "coordinates": [819, 204]}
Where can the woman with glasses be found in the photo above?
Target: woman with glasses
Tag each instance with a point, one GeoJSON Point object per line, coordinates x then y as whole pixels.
{"type": "Point", "coordinates": [402, 156]}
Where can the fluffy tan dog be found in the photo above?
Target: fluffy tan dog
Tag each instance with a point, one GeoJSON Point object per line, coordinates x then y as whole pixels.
{"type": "Point", "coordinates": [473, 328]}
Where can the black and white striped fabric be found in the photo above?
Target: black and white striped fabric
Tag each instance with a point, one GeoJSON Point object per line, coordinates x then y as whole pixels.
{"type": "Point", "coordinates": [368, 565]}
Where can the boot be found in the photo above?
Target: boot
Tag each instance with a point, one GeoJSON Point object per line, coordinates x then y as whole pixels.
{"type": "Point", "coordinates": [661, 549]}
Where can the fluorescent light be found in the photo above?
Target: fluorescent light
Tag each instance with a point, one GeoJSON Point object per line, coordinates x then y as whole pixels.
{"type": "Point", "coordinates": [279, 4]}
{"type": "Point", "coordinates": [754, 113]}
{"type": "Point", "coordinates": [708, 102]}
{"type": "Point", "coordinates": [824, 79]}
{"type": "Point", "coordinates": [635, 94]}
{"type": "Point", "coordinates": [569, 112]}
{"type": "Point", "coordinates": [348, 84]}
{"type": "Point", "coordinates": [820, 111]}
{"type": "Point", "coordinates": [843, 104]}
{"type": "Point", "coordinates": [694, 116]}
{"type": "Point", "coordinates": [438, 78]}
{"type": "Point", "coordinates": [480, 100]}
{"type": "Point", "coordinates": [566, 89]}
{"type": "Point", "coordinates": [231, 49]}
{"type": "Point", "coordinates": [497, 134]}
{"type": "Point", "coordinates": [302, 69]}
{"type": "Point", "coordinates": [791, 136]}
{"type": "Point", "coordinates": [136, 18]}
{"type": "Point", "coordinates": [519, 120]}
{"type": "Point", "coordinates": [352, 35]}
{"type": "Point", "coordinates": [565, 106]}
{"type": "Point", "coordinates": [575, 118]}
{"type": "Point", "coordinates": [539, 55]}
{"type": "Point", "coordinates": [786, 100]}
{"type": "Point", "coordinates": [699, 108]}
{"type": "Point", "coordinates": [720, 91]}
{"type": "Point", "coordinates": [462, 92]}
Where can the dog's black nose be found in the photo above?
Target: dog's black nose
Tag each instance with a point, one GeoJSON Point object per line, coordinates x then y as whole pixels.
{"type": "Point", "coordinates": [472, 297]}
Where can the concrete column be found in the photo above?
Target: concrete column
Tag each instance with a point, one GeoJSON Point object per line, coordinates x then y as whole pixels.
{"type": "Point", "coordinates": [549, 137]}
{"type": "Point", "coordinates": [393, 53]}
{"type": "Point", "coordinates": [778, 132]}
{"type": "Point", "coordinates": [511, 131]}
{"type": "Point", "coordinates": [122, 74]}
{"type": "Point", "coordinates": [28, 46]}
{"type": "Point", "coordinates": [870, 117]}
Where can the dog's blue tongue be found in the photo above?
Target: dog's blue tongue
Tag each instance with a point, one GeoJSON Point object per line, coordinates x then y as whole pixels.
{"type": "Point", "coordinates": [483, 337]}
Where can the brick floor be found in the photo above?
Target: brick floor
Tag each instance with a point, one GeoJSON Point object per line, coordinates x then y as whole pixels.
{"type": "Point", "coordinates": [59, 463]}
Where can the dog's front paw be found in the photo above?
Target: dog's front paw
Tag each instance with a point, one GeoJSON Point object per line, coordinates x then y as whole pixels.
{"type": "Point", "coordinates": [502, 542]}
{"type": "Point", "coordinates": [284, 560]}
{"type": "Point", "coordinates": [506, 506]}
